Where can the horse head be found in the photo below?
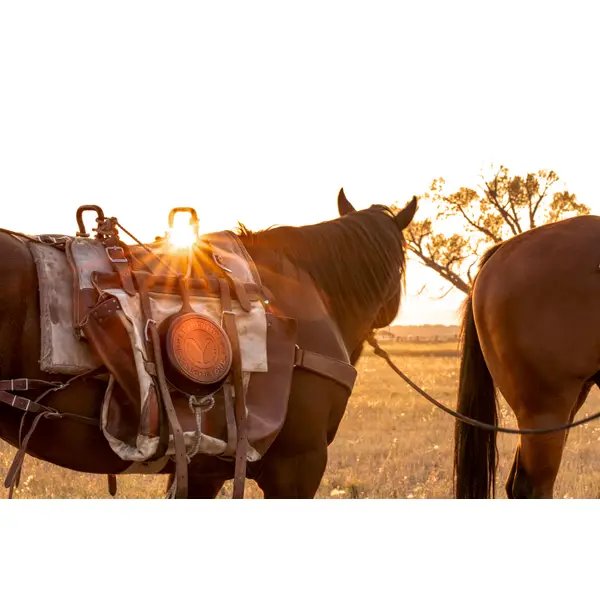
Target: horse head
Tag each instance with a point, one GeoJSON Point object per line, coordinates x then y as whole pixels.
{"type": "Point", "coordinates": [391, 255]}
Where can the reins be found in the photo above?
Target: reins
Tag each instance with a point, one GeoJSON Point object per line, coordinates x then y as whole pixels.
{"type": "Point", "coordinates": [379, 351]}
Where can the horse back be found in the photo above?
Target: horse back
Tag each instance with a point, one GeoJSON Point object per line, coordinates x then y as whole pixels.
{"type": "Point", "coordinates": [536, 304]}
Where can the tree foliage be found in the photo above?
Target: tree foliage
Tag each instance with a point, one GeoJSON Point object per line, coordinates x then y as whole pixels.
{"type": "Point", "coordinates": [503, 206]}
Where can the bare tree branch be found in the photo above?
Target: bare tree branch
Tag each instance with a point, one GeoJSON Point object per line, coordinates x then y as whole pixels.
{"type": "Point", "coordinates": [504, 206]}
{"type": "Point", "coordinates": [480, 228]}
{"type": "Point", "coordinates": [493, 198]}
{"type": "Point", "coordinates": [445, 293]}
{"type": "Point", "coordinates": [448, 275]}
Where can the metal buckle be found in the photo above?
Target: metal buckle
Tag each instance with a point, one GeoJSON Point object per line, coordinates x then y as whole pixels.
{"type": "Point", "coordinates": [226, 312]}
{"type": "Point", "coordinates": [146, 328]}
{"type": "Point", "coordinates": [16, 381]}
{"type": "Point", "coordinates": [218, 262]}
{"type": "Point", "coordinates": [26, 406]}
{"type": "Point", "coordinates": [118, 250]}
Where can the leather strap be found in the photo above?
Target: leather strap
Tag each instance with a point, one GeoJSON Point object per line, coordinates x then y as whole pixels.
{"type": "Point", "coordinates": [168, 284]}
{"type": "Point", "coordinates": [339, 371]}
{"type": "Point", "coordinates": [34, 407]}
{"type": "Point", "coordinates": [24, 404]}
{"type": "Point", "coordinates": [12, 476]}
{"type": "Point", "coordinates": [120, 263]}
{"type": "Point", "coordinates": [236, 284]}
{"type": "Point", "coordinates": [151, 369]}
{"type": "Point", "coordinates": [241, 451]}
{"type": "Point", "coordinates": [23, 384]}
{"type": "Point", "coordinates": [242, 296]}
{"type": "Point", "coordinates": [249, 259]}
{"type": "Point", "coordinates": [181, 469]}
{"type": "Point", "coordinates": [229, 418]}
{"type": "Point", "coordinates": [112, 485]}
{"type": "Point", "coordinates": [41, 412]}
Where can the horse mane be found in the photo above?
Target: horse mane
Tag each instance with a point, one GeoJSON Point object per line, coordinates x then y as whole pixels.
{"type": "Point", "coordinates": [351, 259]}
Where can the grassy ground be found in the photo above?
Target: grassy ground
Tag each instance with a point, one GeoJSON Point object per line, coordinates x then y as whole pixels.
{"type": "Point", "coordinates": [391, 444]}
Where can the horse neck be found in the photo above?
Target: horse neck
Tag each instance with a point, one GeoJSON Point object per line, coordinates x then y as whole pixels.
{"type": "Point", "coordinates": [353, 276]}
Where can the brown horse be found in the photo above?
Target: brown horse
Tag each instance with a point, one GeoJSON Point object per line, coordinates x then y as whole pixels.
{"type": "Point", "coordinates": [339, 279]}
{"type": "Point", "coordinates": [532, 328]}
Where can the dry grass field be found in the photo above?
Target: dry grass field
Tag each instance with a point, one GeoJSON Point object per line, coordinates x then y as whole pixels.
{"type": "Point", "coordinates": [391, 444]}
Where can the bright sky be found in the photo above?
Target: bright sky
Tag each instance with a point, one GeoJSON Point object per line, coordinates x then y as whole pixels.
{"type": "Point", "coordinates": [259, 112]}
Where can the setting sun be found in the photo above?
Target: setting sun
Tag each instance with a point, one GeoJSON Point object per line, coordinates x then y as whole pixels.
{"type": "Point", "coordinates": [181, 235]}
{"type": "Point", "coordinates": [268, 138]}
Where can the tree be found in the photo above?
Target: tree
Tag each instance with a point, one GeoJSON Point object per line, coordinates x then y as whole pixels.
{"type": "Point", "coordinates": [501, 207]}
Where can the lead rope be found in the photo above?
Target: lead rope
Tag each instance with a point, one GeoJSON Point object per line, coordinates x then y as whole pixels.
{"type": "Point", "coordinates": [197, 406]}
{"type": "Point", "coordinates": [147, 249]}
{"type": "Point", "coordinates": [379, 351]}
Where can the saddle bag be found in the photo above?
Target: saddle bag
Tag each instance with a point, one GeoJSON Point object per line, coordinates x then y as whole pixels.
{"type": "Point", "coordinates": [131, 414]}
{"type": "Point", "coordinates": [112, 322]}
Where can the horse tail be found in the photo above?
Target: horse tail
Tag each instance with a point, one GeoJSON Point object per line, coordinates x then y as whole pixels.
{"type": "Point", "coordinates": [475, 454]}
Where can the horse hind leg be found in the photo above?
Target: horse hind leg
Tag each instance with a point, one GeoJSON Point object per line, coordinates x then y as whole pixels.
{"type": "Point", "coordinates": [518, 483]}
{"type": "Point", "coordinates": [536, 463]}
{"type": "Point", "coordinates": [514, 485]}
{"type": "Point", "coordinates": [537, 457]}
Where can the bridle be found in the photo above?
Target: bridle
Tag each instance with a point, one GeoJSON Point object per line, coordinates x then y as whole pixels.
{"type": "Point", "coordinates": [379, 351]}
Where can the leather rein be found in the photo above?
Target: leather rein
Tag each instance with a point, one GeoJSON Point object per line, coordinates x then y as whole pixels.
{"type": "Point", "coordinates": [379, 351]}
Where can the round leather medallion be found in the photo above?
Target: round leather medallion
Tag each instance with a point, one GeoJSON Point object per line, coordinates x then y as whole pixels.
{"type": "Point", "coordinates": [199, 348]}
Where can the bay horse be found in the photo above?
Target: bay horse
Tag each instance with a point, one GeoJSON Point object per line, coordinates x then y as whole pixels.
{"type": "Point", "coordinates": [340, 279]}
{"type": "Point", "coordinates": [531, 329]}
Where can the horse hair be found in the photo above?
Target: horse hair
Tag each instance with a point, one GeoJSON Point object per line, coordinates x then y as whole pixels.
{"type": "Point", "coordinates": [351, 259]}
{"type": "Point", "coordinates": [475, 451]}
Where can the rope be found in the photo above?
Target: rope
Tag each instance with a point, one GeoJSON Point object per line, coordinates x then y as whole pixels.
{"type": "Point", "coordinates": [199, 406]}
{"type": "Point", "coordinates": [146, 248]}
{"type": "Point", "coordinates": [379, 351]}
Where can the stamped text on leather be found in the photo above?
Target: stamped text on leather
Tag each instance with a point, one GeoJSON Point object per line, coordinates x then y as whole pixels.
{"type": "Point", "coordinates": [201, 349]}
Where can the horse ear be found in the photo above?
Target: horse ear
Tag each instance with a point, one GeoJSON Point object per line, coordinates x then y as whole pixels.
{"type": "Point", "coordinates": [405, 216]}
{"type": "Point", "coordinates": [344, 207]}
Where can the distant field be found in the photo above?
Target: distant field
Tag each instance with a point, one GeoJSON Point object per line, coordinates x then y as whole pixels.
{"type": "Point", "coordinates": [447, 349]}
{"type": "Point", "coordinates": [391, 444]}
